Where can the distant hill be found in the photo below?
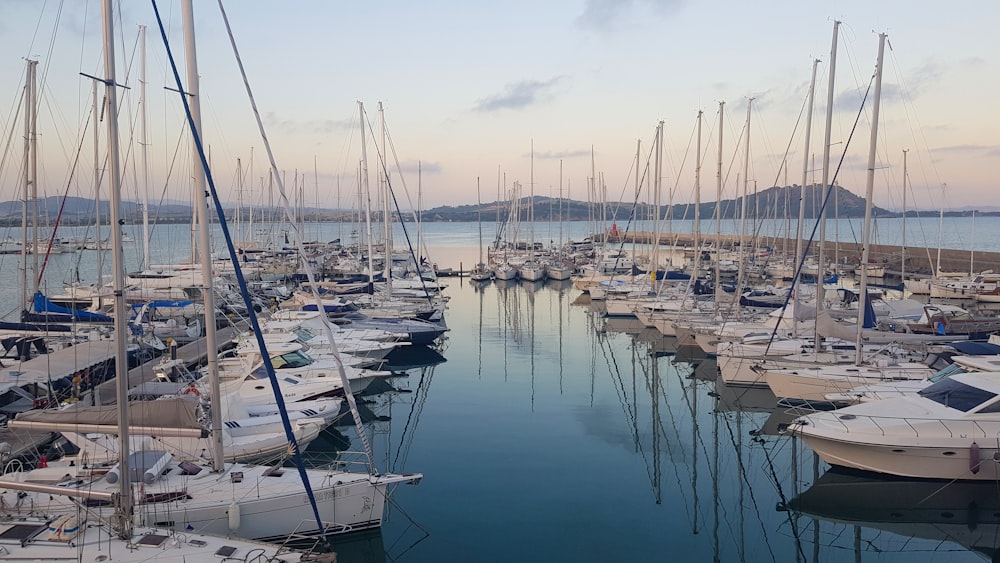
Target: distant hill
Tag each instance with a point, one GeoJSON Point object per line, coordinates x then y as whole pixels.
{"type": "Point", "coordinates": [771, 202]}
{"type": "Point", "coordinates": [79, 210]}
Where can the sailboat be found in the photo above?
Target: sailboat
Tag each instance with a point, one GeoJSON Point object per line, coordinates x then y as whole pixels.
{"type": "Point", "coordinates": [249, 501]}
{"type": "Point", "coordinates": [481, 273]}
{"type": "Point", "coordinates": [74, 533]}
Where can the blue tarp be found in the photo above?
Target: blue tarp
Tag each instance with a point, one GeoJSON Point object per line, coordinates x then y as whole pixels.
{"type": "Point", "coordinates": [43, 305]}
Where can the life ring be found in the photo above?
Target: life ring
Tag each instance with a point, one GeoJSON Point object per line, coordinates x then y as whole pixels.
{"type": "Point", "coordinates": [191, 390]}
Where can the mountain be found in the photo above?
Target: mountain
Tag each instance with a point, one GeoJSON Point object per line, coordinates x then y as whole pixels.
{"type": "Point", "coordinates": [771, 202]}
{"type": "Point", "coordinates": [78, 211]}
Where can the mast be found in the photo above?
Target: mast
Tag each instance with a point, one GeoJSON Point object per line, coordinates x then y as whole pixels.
{"type": "Point", "coordinates": [205, 254]}
{"type": "Point", "coordinates": [97, 190]}
{"type": "Point", "coordinates": [902, 257]}
{"type": "Point", "coordinates": [869, 189]}
{"type": "Point", "coordinates": [799, 258]}
{"type": "Point", "coordinates": [657, 187]}
{"type": "Point", "coordinates": [718, 213]}
{"type": "Point", "coordinates": [33, 163]}
{"type": "Point", "coordinates": [363, 189]}
{"type": "Point", "coordinates": [479, 213]}
{"type": "Point", "coordinates": [124, 509]}
{"type": "Point", "coordinates": [386, 225]}
{"type": "Point", "coordinates": [144, 143]}
{"type": "Point", "coordinates": [26, 183]}
{"type": "Point", "coordinates": [821, 272]}
{"type": "Point", "coordinates": [937, 270]}
{"type": "Point", "coordinates": [697, 203]}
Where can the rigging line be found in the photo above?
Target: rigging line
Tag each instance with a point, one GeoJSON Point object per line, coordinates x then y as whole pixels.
{"type": "Point", "coordinates": [406, 426]}
{"type": "Point", "coordinates": [663, 431]}
{"type": "Point", "coordinates": [792, 522]}
{"type": "Point", "coordinates": [631, 217]}
{"type": "Point", "coordinates": [743, 476]}
{"type": "Point", "coordinates": [406, 234]}
{"type": "Point", "coordinates": [279, 399]}
{"type": "Point", "coordinates": [812, 235]}
{"type": "Point", "coordinates": [62, 206]}
{"type": "Point", "coordinates": [298, 241]}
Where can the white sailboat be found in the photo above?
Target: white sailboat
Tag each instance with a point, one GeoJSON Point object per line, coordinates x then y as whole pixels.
{"type": "Point", "coordinates": [249, 501]}
{"type": "Point", "coordinates": [71, 531]}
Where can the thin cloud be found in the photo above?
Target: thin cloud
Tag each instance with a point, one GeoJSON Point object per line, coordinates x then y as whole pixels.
{"type": "Point", "coordinates": [413, 166]}
{"type": "Point", "coordinates": [556, 155]}
{"type": "Point", "coordinates": [518, 95]}
{"type": "Point", "coordinates": [608, 14]}
{"type": "Point", "coordinates": [975, 150]}
{"type": "Point", "coordinates": [319, 126]}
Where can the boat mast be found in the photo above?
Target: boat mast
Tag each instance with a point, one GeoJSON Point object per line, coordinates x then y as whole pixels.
{"type": "Point", "coordinates": [821, 272]}
{"type": "Point", "coordinates": [657, 188]}
{"type": "Point", "coordinates": [869, 189]}
{"type": "Point", "coordinates": [123, 511]}
{"type": "Point", "coordinates": [363, 189]}
{"type": "Point", "coordinates": [97, 190]}
{"type": "Point", "coordinates": [697, 204]}
{"type": "Point", "coordinates": [386, 224]}
{"type": "Point", "coordinates": [208, 292]}
{"type": "Point", "coordinates": [718, 214]}
{"type": "Point", "coordinates": [33, 164]}
{"type": "Point", "coordinates": [799, 258]}
{"type": "Point", "coordinates": [145, 159]}
{"type": "Point", "coordinates": [902, 253]}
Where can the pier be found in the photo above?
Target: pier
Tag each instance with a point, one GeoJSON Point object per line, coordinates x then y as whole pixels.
{"type": "Point", "coordinates": [26, 443]}
{"type": "Point", "coordinates": [919, 260]}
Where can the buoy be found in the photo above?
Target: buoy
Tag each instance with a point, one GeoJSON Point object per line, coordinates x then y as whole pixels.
{"type": "Point", "coordinates": [234, 517]}
{"type": "Point", "coordinates": [43, 462]}
{"type": "Point", "coordinates": [974, 460]}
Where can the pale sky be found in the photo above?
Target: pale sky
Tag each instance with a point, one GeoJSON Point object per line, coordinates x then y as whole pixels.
{"type": "Point", "coordinates": [469, 86]}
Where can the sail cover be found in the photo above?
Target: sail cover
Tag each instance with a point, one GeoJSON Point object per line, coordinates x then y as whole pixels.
{"type": "Point", "coordinates": [163, 417]}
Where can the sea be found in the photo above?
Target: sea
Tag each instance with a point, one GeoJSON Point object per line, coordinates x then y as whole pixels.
{"type": "Point", "coordinates": [546, 431]}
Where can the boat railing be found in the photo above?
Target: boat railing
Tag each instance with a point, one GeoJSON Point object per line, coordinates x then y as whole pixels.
{"type": "Point", "coordinates": [955, 428]}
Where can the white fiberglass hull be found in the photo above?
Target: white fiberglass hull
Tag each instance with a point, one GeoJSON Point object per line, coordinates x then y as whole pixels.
{"type": "Point", "coordinates": [248, 501]}
{"type": "Point", "coordinates": [816, 383]}
{"type": "Point", "coordinates": [950, 461]}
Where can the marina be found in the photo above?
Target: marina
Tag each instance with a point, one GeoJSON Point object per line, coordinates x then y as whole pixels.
{"type": "Point", "coordinates": [286, 364]}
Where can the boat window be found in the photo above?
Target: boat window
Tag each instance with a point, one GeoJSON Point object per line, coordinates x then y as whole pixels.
{"type": "Point", "coordinates": [957, 395]}
{"type": "Point", "coordinates": [303, 334]}
{"type": "Point", "coordinates": [296, 359]}
{"type": "Point", "coordinates": [992, 407]}
{"type": "Point", "coordinates": [948, 371]}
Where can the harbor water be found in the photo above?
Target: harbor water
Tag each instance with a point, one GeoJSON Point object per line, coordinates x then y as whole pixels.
{"type": "Point", "coordinates": [553, 433]}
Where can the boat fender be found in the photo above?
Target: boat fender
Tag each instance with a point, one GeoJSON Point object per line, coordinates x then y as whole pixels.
{"type": "Point", "coordinates": [234, 516]}
{"type": "Point", "coordinates": [974, 460]}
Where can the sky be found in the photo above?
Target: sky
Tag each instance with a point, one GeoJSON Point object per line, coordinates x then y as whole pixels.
{"type": "Point", "coordinates": [508, 92]}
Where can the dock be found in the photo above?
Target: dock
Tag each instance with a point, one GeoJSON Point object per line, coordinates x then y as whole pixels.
{"type": "Point", "coordinates": [192, 354]}
{"type": "Point", "coordinates": [919, 260]}
{"type": "Point", "coordinates": [30, 443]}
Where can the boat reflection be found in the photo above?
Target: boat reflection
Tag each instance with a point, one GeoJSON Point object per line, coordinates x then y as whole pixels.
{"type": "Point", "coordinates": [963, 513]}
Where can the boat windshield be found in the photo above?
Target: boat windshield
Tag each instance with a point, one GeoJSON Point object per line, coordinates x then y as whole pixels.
{"type": "Point", "coordinates": [296, 359]}
{"type": "Point", "coordinates": [303, 334]}
{"type": "Point", "coordinates": [947, 372]}
{"type": "Point", "coordinates": [957, 395]}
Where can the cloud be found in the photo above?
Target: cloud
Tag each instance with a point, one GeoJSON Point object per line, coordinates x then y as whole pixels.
{"type": "Point", "coordinates": [411, 166]}
{"type": "Point", "coordinates": [989, 151]}
{"type": "Point", "coordinates": [556, 155]}
{"type": "Point", "coordinates": [518, 95]}
{"type": "Point", "coordinates": [316, 127]}
{"type": "Point", "coordinates": [608, 14]}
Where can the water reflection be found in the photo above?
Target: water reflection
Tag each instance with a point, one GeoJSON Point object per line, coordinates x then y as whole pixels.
{"type": "Point", "coordinates": [858, 508]}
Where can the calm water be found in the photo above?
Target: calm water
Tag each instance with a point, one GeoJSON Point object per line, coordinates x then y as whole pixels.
{"type": "Point", "coordinates": [553, 434]}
